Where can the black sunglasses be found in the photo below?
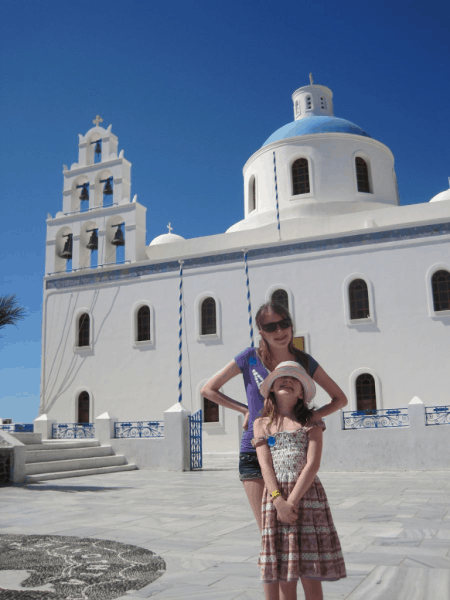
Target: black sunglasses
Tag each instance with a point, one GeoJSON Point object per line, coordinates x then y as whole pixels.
{"type": "Point", "coordinates": [271, 327]}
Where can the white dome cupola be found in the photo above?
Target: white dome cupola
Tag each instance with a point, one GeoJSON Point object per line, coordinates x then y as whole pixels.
{"type": "Point", "coordinates": [445, 195]}
{"type": "Point", "coordinates": [325, 166]}
{"type": "Point", "coordinates": [312, 100]}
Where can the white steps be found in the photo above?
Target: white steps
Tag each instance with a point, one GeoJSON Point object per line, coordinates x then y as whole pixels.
{"type": "Point", "coordinates": [79, 473]}
{"type": "Point", "coordinates": [59, 459]}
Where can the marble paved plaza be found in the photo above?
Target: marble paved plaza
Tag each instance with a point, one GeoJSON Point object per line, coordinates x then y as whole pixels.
{"type": "Point", "coordinates": [394, 529]}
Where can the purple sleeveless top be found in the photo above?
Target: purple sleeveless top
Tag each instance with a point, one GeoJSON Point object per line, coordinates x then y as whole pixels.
{"type": "Point", "coordinates": [254, 373]}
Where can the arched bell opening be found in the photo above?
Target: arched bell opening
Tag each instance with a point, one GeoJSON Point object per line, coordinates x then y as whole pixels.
{"type": "Point", "coordinates": [63, 250]}
{"type": "Point", "coordinates": [94, 149]}
{"type": "Point", "coordinates": [83, 406]}
{"type": "Point", "coordinates": [115, 240]}
{"type": "Point", "coordinates": [80, 194]}
{"type": "Point", "coordinates": [89, 245]}
{"type": "Point", "coordinates": [104, 189]}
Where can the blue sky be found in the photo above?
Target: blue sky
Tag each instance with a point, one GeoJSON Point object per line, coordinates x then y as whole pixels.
{"type": "Point", "coordinates": [193, 89]}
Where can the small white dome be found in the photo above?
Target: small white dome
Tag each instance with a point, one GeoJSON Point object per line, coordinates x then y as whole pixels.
{"type": "Point", "coordinates": [166, 238]}
{"type": "Point", "coordinates": [445, 195]}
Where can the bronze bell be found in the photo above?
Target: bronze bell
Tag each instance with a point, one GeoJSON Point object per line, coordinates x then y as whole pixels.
{"type": "Point", "coordinates": [98, 148]}
{"type": "Point", "coordinates": [118, 237]}
{"type": "Point", "coordinates": [93, 240]}
{"type": "Point", "coordinates": [107, 190]}
{"type": "Point", "coordinates": [84, 192]}
{"type": "Point", "coordinates": [67, 251]}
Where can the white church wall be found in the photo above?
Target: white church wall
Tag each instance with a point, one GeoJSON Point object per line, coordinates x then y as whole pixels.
{"type": "Point", "coordinates": [405, 348]}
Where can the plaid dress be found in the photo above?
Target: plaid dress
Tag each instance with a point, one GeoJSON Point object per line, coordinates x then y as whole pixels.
{"type": "Point", "coordinates": [309, 548]}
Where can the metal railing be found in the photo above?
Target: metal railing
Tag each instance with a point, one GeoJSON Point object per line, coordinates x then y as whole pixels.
{"type": "Point", "coordinates": [437, 415]}
{"type": "Point", "coordinates": [75, 212]}
{"type": "Point", "coordinates": [72, 431]}
{"type": "Point", "coordinates": [111, 264]}
{"type": "Point", "coordinates": [369, 419]}
{"type": "Point", "coordinates": [139, 429]}
{"type": "Point", "coordinates": [17, 427]}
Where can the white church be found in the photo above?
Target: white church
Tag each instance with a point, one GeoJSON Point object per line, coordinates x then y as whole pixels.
{"type": "Point", "coordinates": [366, 280]}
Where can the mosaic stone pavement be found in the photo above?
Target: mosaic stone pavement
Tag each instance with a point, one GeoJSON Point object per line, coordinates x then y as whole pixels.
{"type": "Point", "coordinates": [76, 568]}
{"type": "Point", "coordinates": [394, 530]}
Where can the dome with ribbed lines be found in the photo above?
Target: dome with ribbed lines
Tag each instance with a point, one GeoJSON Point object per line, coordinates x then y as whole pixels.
{"type": "Point", "coordinates": [315, 124]}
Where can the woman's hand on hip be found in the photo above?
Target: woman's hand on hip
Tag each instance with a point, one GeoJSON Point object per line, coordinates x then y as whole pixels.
{"type": "Point", "coordinates": [245, 425]}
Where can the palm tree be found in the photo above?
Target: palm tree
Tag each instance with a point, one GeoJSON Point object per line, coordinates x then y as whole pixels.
{"type": "Point", "coordinates": [10, 312]}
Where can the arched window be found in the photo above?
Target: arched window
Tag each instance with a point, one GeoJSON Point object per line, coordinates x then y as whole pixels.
{"type": "Point", "coordinates": [366, 397]}
{"type": "Point", "coordinates": [83, 330]}
{"type": "Point", "coordinates": [143, 324]}
{"type": "Point", "coordinates": [362, 175]}
{"type": "Point", "coordinates": [83, 408]}
{"type": "Point", "coordinates": [297, 107]}
{"type": "Point", "coordinates": [252, 203]}
{"type": "Point", "coordinates": [208, 317]}
{"type": "Point", "coordinates": [210, 411]}
{"type": "Point", "coordinates": [358, 298]}
{"type": "Point", "coordinates": [440, 283]}
{"type": "Point", "coordinates": [308, 103]}
{"type": "Point", "coordinates": [280, 297]}
{"type": "Point", "coordinates": [300, 177]}
{"type": "Point", "coordinates": [323, 104]}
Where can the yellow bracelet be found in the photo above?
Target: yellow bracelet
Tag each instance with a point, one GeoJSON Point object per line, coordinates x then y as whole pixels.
{"type": "Point", "coordinates": [275, 494]}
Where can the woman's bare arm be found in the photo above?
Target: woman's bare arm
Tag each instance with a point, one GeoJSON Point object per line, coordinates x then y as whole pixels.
{"type": "Point", "coordinates": [338, 398]}
{"type": "Point", "coordinates": [211, 389]}
{"type": "Point", "coordinates": [312, 466]}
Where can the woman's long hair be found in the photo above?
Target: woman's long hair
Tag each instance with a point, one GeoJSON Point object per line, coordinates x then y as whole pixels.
{"type": "Point", "coordinates": [264, 351]}
{"type": "Point", "coordinates": [301, 411]}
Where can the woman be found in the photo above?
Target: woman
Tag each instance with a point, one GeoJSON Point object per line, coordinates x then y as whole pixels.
{"type": "Point", "coordinates": [275, 328]}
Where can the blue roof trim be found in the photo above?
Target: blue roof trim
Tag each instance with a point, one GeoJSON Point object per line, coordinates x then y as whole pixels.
{"type": "Point", "coordinates": [350, 241]}
{"type": "Point", "coordinates": [315, 124]}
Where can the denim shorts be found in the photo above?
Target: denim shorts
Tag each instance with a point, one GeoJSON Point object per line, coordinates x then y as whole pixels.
{"type": "Point", "coordinates": [249, 466]}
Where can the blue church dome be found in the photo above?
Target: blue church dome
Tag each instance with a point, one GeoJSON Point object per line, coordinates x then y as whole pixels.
{"type": "Point", "coordinates": [315, 124]}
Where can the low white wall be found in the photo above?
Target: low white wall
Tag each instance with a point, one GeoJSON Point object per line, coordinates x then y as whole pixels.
{"type": "Point", "coordinates": [416, 447]}
{"type": "Point", "coordinates": [168, 453]}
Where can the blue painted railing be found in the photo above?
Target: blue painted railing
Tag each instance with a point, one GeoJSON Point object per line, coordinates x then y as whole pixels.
{"type": "Point", "coordinates": [17, 427]}
{"type": "Point", "coordinates": [368, 419]}
{"type": "Point", "coordinates": [139, 429]}
{"type": "Point", "coordinates": [437, 415]}
{"type": "Point", "coordinates": [72, 431]}
{"type": "Point", "coordinates": [195, 440]}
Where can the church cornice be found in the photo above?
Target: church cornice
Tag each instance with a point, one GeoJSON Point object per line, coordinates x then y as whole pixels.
{"type": "Point", "coordinates": [273, 251]}
{"type": "Point", "coordinates": [106, 164]}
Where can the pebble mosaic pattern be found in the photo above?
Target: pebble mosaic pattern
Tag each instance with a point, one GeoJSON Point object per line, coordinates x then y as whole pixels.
{"type": "Point", "coordinates": [77, 569]}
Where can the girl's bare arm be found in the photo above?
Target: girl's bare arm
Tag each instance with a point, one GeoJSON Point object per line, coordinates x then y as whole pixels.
{"type": "Point", "coordinates": [211, 389]}
{"type": "Point", "coordinates": [264, 457]}
{"type": "Point", "coordinates": [338, 398]}
{"type": "Point", "coordinates": [286, 512]}
{"type": "Point", "coordinates": [312, 466]}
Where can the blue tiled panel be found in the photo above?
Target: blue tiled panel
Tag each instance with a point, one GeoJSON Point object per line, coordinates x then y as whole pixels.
{"type": "Point", "coordinates": [350, 241]}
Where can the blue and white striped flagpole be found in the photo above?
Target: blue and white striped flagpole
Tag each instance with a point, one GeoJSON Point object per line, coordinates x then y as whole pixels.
{"type": "Point", "coordinates": [249, 304]}
{"type": "Point", "coordinates": [180, 336]}
{"type": "Point", "coordinates": [276, 194]}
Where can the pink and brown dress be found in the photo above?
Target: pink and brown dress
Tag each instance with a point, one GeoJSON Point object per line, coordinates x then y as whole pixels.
{"type": "Point", "coordinates": [309, 548]}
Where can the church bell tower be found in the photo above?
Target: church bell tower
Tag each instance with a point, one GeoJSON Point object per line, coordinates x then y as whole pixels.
{"type": "Point", "coordinates": [99, 224]}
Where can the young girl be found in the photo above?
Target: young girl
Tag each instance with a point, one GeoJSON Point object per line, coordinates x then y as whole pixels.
{"type": "Point", "coordinates": [299, 540]}
{"type": "Point", "coordinates": [276, 329]}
